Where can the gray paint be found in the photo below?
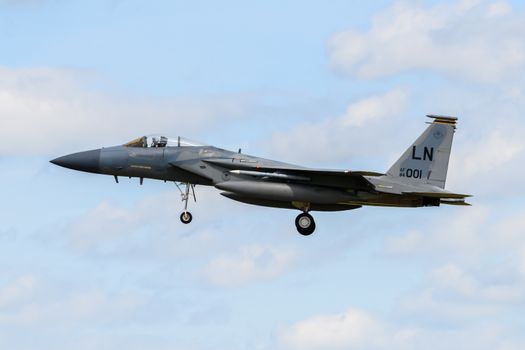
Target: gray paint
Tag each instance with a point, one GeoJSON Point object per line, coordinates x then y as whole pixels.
{"type": "Point", "coordinates": [417, 179]}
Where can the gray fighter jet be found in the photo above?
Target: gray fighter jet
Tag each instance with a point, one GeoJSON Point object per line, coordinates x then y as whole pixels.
{"type": "Point", "coordinates": [417, 179]}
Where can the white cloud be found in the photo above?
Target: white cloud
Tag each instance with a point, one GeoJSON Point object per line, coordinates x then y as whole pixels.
{"type": "Point", "coordinates": [25, 302]}
{"type": "Point", "coordinates": [359, 329]}
{"type": "Point", "coordinates": [102, 223]}
{"type": "Point", "coordinates": [496, 153]}
{"type": "Point", "coordinates": [481, 255]}
{"type": "Point", "coordinates": [374, 108]}
{"type": "Point", "coordinates": [72, 308]}
{"type": "Point", "coordinates": [349, 134]}
{"type": "Point", "coordinates": [354, 329]}
{"type": "Point", "coordinates": [477, 40]}
{"type": "Point", "coordinates": [111, 229]}
{"type": "Point", "coordinates": [465, 233]}
{"type": "Point", "coordinates": [17, 290]}
{"type": "Point", "coordinates": [250, 263]}
{"type": "Point", "coordinates": [499, 8]}
{"type": "Point", "coordinates": [99, 305]}
{"type": "Point", "coordinates": [492, 152]}
{"type": "Point", "coordinates": [150, 230]}
{"type": "Point", "coordinates": [453, 277]}
{"type": "Point", "coordinates": [43, 109]}
{"type": "Point", "coordinates": [403, 244]}
{"type": "Point", "coordinates": [453, 295]}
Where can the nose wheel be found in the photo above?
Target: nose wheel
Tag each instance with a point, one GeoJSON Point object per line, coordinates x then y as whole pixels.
{"type": "Point", "coordinates": [305, 224]}
{"type": "Point", "coordinates": [186, 216]}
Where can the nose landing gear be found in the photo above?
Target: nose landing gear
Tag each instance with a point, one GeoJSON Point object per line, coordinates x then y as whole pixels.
{"type": "Point", "coordinates": [186, 216]}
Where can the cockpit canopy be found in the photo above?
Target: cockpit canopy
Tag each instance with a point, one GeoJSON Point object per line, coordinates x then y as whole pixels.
{"type": "Point", "coordinates": [161, 141]}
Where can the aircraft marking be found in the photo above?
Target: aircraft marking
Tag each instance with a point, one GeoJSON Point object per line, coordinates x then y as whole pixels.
{"type": "Point", "coordinates": [410, 173]}
{"type": "Point", "coordinates": [428, 153]}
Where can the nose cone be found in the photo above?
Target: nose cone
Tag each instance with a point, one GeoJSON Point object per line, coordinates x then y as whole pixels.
{"type": "Point", "coordinates": [84, 161]}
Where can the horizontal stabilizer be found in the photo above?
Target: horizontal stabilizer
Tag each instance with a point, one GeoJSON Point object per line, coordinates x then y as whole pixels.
{"type": "Point", "coordinates": [454, 202]}
{"type": "Point", "coordinates": [444, 195]}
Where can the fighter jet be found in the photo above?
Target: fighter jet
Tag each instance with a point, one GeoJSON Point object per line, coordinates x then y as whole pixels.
{"type": "Point", "coordinates": [417, 179]}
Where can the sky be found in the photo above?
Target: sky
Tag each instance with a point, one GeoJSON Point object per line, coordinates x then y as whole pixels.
{"type": "Point", "coordinates": [86, 263]}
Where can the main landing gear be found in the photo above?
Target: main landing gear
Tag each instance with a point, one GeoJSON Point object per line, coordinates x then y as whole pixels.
{"type": "Point", "coordinates": [186, 216]}
{"type": "Point", "coordinates": [305, 224]}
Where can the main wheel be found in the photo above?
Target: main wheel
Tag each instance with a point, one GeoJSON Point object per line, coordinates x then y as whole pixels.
{"type": "Point", "coordinates": [186, 217]}
{"type": "Point", "coordinates": [305, 224]}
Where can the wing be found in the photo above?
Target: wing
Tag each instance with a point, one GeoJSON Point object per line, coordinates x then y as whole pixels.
{"type": "Point", "coordinates": [331, 178]}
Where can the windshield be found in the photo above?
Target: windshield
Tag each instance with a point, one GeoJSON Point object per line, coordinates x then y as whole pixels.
{"type": "Point", "coordinates": [161, 141]}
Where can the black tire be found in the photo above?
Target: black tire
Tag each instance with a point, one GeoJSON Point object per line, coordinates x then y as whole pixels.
{"type": "Point", "coordinates": [305, 224]}
{"type": "Point", "coordinates": [186, 217]}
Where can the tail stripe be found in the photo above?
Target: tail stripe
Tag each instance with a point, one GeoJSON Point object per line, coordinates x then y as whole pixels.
{"type": "Point", "coordinates": [441, 119]}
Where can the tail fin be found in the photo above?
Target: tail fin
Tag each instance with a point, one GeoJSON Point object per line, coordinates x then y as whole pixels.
{"type": "Point", "coordinates": [426, 160]}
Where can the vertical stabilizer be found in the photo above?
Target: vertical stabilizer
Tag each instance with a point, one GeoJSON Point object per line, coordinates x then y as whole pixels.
{"type": "Point", "coordinates": [426, 160]}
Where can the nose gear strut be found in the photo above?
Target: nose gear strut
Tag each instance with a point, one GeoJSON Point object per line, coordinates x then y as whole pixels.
{"type": "Point", "coordinates": [186, 216]}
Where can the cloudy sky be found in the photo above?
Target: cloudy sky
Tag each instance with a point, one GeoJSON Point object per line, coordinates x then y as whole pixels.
{"type": "Point", "coordinates": [89, 264]}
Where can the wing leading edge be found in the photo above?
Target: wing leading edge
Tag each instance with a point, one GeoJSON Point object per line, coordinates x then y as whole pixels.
{"type": "Point", "coordinates": [227, 163]}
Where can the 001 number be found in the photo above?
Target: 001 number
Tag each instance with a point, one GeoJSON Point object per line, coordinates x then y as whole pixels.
{"type": "Point", "coordinates": [412, 173]}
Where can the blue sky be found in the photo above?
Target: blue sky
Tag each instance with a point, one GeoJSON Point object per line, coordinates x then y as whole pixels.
{"type": "Point", "coordinates": [86, 263]}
